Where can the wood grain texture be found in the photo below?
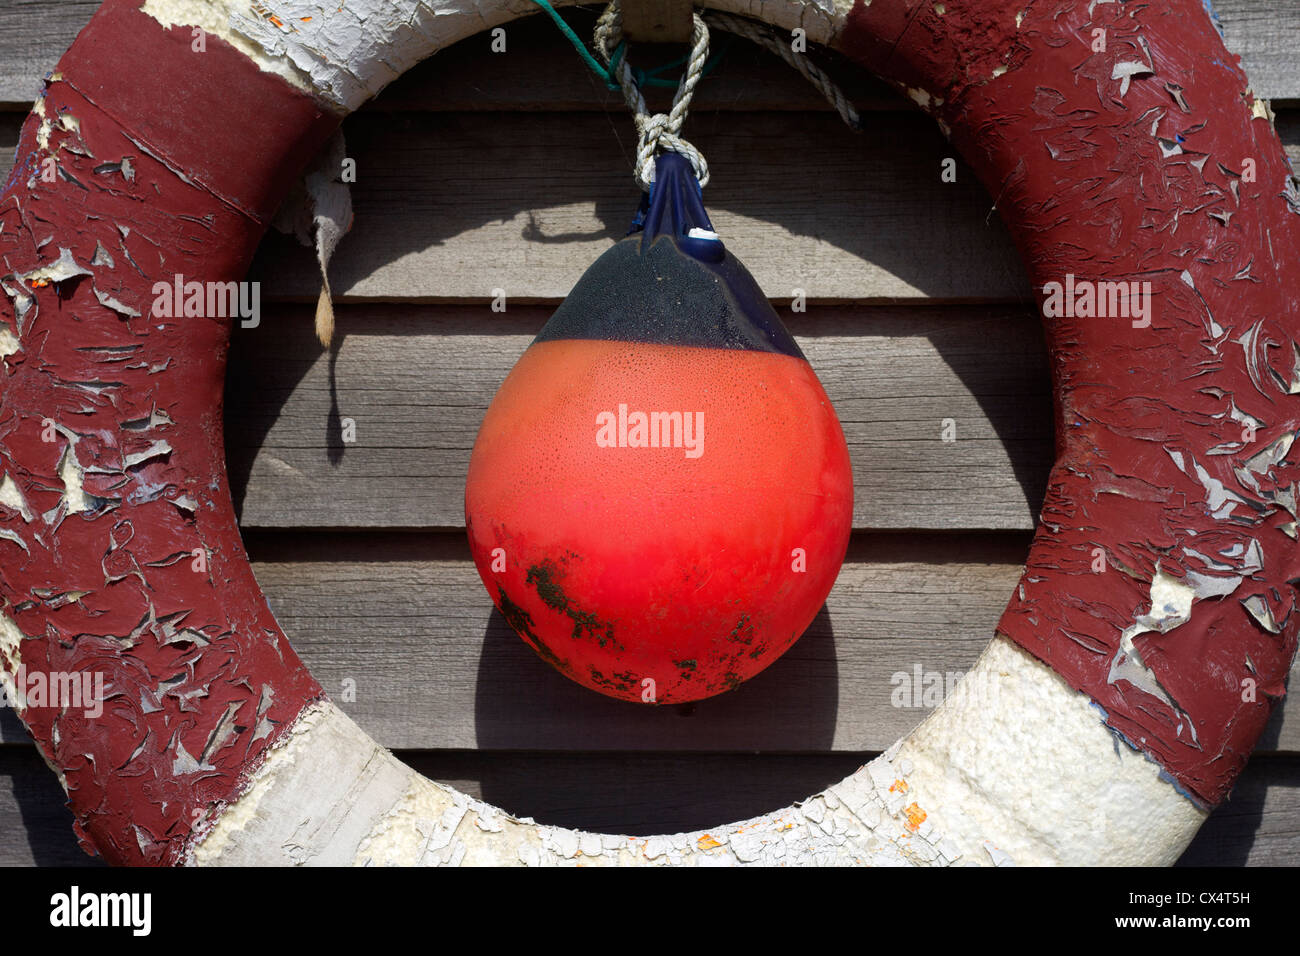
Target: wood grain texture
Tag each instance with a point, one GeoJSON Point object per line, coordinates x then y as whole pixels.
{"type": "Point", "coordinates": [401, 633]}
{"type": "Point", "coordinates": [416, 381]}
{"type": "Point", "coordinates": [657, 21]}
{"type": "Point", "coordinates": [643, 794]}
{"type": "Point", "coordinates": [454, 205]}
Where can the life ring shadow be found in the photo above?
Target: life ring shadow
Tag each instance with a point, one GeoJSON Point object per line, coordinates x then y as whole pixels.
{"type": "Point", "coordinates": [523, 704]}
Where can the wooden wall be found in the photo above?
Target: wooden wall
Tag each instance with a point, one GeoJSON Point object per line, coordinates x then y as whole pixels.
{"type": "Point", "coordinates": [480, 171]}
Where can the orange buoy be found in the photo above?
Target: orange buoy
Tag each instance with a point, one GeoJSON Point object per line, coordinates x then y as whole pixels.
{"type": "Point", "coordinates": [660, 496]}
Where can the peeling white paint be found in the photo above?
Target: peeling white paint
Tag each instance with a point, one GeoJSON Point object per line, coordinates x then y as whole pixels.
{"type": "Point", "coordinates": [1124, 72]}
{"type": "Point", "coordinates": [346, 53]}
{"type": "Point", "coordinates": [1032, 772]}
{"type": "Point", "coordinates": [1171, 606]}
{"type": "Point", "coordinates": [11, 657]}
{"type": "Point", "coordinates": [60, 270]}
{"type": "Point", "coordinates": [213, 17]}
{"type": "Point", "coordinates": [75, 500]}
{"type": "Point", "coordinates": [156, 449]}
{"type": "Point", "coordinates": [11, 496]}
{"type": "Point", "coordinates": [9, 343]}
{"type": "Point", "coordinates": [1258, 608]}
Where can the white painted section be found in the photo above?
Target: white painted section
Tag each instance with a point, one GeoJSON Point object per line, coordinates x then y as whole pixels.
{"type": "Point", "coordinates": [11, 658]}
{"type": "Point", "coordinates": [11, 496]}
{"type": "Point", "coordinates": [9, 343]}
{"type": "Point", "coordinates": [71, 474]}
{"type": "Point", "coordinates": [1028, 765]}
{"type": "Point", "coordinates": [213, 17]}
{"type": "Point", "coordinates": [1018, 768]}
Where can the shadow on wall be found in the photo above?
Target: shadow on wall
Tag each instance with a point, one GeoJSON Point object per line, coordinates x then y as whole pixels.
{"type": "Point", "coordinates": [789, 706]}
{"type": "Point", "coordinates": [432, 177]}
{"type": "Point", "coordinates": [35, 823]}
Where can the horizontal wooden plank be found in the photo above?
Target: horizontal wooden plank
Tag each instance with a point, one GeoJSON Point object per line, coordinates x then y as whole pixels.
{"type": "Point", "coordinates": [415, 383]}
{"type": "Point", "coordinates": [455, 205]}
{"type": "Point", "coordinates": [35, 823]}
{"type": "Point", "coordinates": [470, 76]}
{"type": "Point", "coordinates": [33, 35]}
{"type": "Point", "coordinates": [643, 794]}
{"type": "Point", "coordinates": [434, 666]}
{"type": "Point", "coordinates": [1266, 36]}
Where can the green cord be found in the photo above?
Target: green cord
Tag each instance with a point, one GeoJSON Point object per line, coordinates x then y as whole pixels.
{"type": "Point", "coordinates": [610, 76]}
{"type": "Point", "coordinates": [573, 38]}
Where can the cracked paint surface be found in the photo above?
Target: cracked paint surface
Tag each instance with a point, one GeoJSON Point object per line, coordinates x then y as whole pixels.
{"type": "Point", "coordinates": [1172, 440]}
{"type": "Point", "coordinates": [112, 477]}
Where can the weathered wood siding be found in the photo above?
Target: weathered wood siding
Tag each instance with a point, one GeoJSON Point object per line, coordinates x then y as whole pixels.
{"type": "Point", "coordinates": [483, 171]}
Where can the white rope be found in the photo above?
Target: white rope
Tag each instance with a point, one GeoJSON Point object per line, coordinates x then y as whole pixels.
{"type": "Point", "coordinates": [766, 38]}
{"type": "Point", "coordinates": [657, 130]}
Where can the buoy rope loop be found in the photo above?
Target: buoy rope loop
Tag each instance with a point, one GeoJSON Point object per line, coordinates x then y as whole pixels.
{"type": "Point", "coordinates": [656, 131]}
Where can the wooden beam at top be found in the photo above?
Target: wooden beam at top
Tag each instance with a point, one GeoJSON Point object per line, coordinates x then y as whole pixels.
{"type": "Point", "coordinates": [657, 21]}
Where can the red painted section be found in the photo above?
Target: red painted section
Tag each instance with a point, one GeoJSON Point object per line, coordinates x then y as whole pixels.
{"type": "Point", "coordinates": [198, 680]}
{"type": "Point", "coordinates": [692, 567]}
{"type": "Point", "coordinates": [1158, 465]}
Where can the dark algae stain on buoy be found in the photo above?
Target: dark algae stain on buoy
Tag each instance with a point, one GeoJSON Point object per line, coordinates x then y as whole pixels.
{"type": "Point", "coordinates": [545, 579]}
{"type": "Point", "coordinates": [521, 622]}
{"type": "Point", "coordinates": [660, 495]}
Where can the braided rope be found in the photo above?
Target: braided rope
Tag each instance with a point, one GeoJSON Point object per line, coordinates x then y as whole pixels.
{"type": "Point", "coordinates": [766, 38]}
{"type": "Point", "coordinates": [656, 131]}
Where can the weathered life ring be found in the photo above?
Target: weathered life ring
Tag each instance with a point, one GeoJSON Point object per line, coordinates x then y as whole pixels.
{"type": "Point", "coordinates": [1122, 144]}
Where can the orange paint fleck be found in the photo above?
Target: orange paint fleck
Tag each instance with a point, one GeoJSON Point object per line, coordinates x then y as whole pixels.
{"type": "Point", "coordinates": [707, 842]}
{"type": "Point", "coordinates": [276, 20]}
{"type": "Point", "coordinates": [915, 816]}
{"type": "Point", "coordinates": [899, 785]}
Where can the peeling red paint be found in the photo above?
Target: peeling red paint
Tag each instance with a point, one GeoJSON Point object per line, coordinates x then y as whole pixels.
{"type": "Point", "coordinates": [1111, 172]}
{"type": "Point", "coordinates": [199, 680]}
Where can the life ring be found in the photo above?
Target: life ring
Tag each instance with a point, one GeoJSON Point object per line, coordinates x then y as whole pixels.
{"type": "Point", "coordinates": [1134, 668]}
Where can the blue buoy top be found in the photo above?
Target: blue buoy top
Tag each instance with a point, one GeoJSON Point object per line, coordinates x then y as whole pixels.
{"type": "Point", "coordinates": [671, 281]}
